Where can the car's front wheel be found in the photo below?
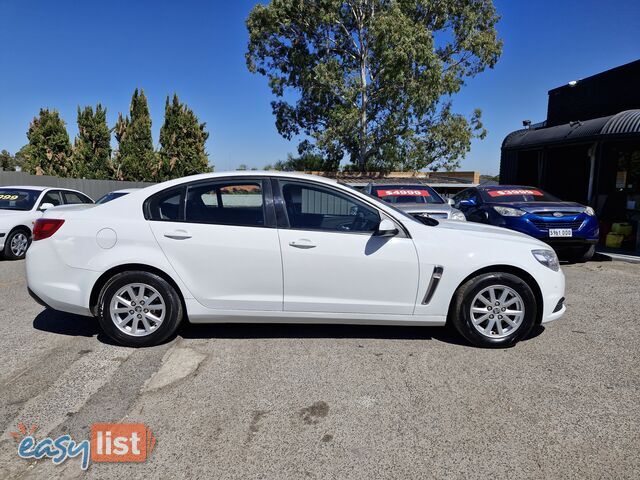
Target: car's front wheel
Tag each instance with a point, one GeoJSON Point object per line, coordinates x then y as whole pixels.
{"type": "Point", "coordinates": [494, 309]}
{"type": "Point", "coordinates": [139, 309]}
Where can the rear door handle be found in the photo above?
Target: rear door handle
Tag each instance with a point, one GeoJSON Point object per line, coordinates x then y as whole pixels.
{"type": "Point", "coordinates": [178, 235]}
{"type": "Point", "coordinates": [302, 243]}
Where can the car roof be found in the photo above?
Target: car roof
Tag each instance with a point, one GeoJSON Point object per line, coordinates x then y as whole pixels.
{"type": "Point", "coordinates": [126, 190]}
{"type": "Point", "coordinates": [235, 173]}
{"type": "Point", "coordinates": [401, 185]}
{"type": "Point", "coordinates": [40, 188]}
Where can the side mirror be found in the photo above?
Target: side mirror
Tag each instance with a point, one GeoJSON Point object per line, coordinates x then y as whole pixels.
{"type": "Point", "coordinates": [46, 206]}
{"type": "Point", "coordinates": [386, 228]}
{"type": "Point", "coordinates": [450, 201]}
{"type": "Point", "coordinates": [467, 203]}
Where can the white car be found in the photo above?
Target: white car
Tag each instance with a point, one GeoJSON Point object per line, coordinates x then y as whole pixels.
{"type": "Point", "coordinates": [282, 247]}
{"type": "Point", "coordinates": [21, 206]}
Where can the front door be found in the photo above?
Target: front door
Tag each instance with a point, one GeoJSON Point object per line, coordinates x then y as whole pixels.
{"type": "Point", "coordinates": [221, 239]}
{"type": "Point", "coordinates": [332, 260]}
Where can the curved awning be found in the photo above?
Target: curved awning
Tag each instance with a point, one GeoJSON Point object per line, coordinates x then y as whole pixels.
{"type": "Point", "coordinates": [623, 123]}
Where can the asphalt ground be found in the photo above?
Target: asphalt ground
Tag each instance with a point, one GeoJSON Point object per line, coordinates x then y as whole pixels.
{"type": "Point", "coordinates": [336, 402]}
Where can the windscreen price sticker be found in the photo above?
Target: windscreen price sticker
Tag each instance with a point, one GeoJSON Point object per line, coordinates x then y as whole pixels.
{"type": "Point", "coordinates": [8, 197]}
{"type": "Point", "coordinates": [403, 193]}
{"type": "Point", "coordinates": [507, 193]}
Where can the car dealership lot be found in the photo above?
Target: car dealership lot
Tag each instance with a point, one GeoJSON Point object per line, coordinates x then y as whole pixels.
{"type": "Point", "coordinates": [265, 401]}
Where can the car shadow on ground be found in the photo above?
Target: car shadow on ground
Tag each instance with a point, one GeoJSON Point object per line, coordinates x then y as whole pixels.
{"type": "Point", "coordinates": [78, 326]}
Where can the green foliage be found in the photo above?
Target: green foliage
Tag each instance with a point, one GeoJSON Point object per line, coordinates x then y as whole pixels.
{"type": "Point", "coordinates": [92, 147]}
{"type": "Point", "coordinates": [7, 161]}
{"type": "Point", "coordinates": [182, 143]}
{"type": "Point", "coordinates": [49, 148]}
{"type": "Point", "coordinates": [374, 78]}
{"type": "Point", "coordinates": [307, 162]}
{"type": "Point", "coordinates": [135, 159]}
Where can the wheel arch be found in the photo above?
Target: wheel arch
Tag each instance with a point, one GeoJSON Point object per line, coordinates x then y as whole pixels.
{"type": "Point", "coordinates": [94, 298]}
{"type": "Point", "coordinates": [519, 272]}
{"type": "Point", "coordinates": [26, 229]}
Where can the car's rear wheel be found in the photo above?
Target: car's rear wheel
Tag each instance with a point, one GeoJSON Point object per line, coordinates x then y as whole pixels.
{"type": "Point", "coordinates": [494, 309]}
{"type": "Point", "coordinates": [139, 309]}
{"type": "Point", "coordinates": [16, 244]}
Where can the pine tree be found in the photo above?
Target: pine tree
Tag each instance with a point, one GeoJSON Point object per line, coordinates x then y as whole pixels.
{"type": "Point", "coordinates": [92, 146]}
{"type": "Point", "coordinates": [135, 158]}
{"type": "Point", "coordinates": [49, 148]}
{"type": "Point", "coordinates": [182, 142]}
{"type": "Point", "coordinates": [7, 161]}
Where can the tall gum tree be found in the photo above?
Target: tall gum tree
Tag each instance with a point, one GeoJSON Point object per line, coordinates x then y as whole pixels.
{"type": "Point", "coordinates": [373, 79]}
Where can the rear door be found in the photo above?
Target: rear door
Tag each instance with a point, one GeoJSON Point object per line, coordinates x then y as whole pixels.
{"type": "Point", "coordinates": [332, 260]}
{"type": "Point", "coordinates": [220, 237]}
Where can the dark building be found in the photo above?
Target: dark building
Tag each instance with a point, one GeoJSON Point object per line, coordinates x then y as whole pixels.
{"type": "Point", "coordinates": [587, 150]}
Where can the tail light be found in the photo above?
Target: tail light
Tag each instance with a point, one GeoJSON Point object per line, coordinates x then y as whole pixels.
{"type": "Point", "coordinates": [45, 227]}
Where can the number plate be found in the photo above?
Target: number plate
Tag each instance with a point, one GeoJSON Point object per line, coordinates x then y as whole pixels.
{"type": "Point", "coordinates": [560, 232]}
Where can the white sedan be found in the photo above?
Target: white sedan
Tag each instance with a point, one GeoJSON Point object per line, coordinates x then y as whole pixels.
{"type": "Point", "coordinates": [21, 206]}
{"type": "Point", "coordinates": [280, 247]}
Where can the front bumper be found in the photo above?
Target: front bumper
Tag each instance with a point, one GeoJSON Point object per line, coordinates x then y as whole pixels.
{"type": "Point", "coordinates": [584, 228]}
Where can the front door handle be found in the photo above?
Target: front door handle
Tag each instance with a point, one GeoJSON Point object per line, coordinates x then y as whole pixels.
{"type": "Point", "coordinates": [178, 235]}
{"type": "Point", "coordinates": [302, 243]}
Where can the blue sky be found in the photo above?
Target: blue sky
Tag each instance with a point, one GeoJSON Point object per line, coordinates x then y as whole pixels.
{"type": "Point", "coordinates": [61, 54]}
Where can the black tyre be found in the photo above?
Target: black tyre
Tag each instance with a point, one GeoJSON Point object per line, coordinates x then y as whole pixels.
{"type": "Point", "coordinates": [583, 254]}
{"type": "Point", "coordinates": [139, 309]}
{"type": "Point", "coordinates": [16, 244]}
{"type": "Point", "coordinates": [494, 310]}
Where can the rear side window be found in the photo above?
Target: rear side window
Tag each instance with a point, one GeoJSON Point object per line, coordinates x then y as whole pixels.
{"type": "Point", "coordinates": [165, 206]}
{"type": "Point", "coordinates": [226, 203]}
{"type": "Point", "coordinates": [72, 198]}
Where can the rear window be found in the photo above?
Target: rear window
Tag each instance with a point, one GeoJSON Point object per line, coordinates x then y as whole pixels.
{"type": "Point", "coordinates": [226, 203]}
{"type": "Point", "coordinates": [110, 196]}
{"type": "Point", "coordinates": [17, 199]}
{"type": "Point", "coordinates": [407, 194]}
{"type": "Point", "coordinates": [515, 195]}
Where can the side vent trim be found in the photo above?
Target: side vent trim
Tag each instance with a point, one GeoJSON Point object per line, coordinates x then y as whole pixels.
{"type": "Point", "coordinates": [433, 284]}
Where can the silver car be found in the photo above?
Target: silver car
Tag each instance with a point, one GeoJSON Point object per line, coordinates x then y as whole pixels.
{"type": "Point", "coordinates": [417, 200]}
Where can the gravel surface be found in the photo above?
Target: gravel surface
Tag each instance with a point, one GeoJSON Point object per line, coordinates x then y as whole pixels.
{"type": "Point", "coordinates": [304, 401]}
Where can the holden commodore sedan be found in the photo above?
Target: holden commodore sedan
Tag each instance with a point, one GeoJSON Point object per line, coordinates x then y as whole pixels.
{"type": "Point", "coordinates": [289, 248]}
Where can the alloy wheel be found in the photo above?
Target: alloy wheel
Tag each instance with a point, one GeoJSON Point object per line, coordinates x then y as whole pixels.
{"type": "Point", "coordinates": [497, 311]}
{"type": "Point", "coordinates": [19, 244]}
{"type": "Point", "coordinates": [137, 309]}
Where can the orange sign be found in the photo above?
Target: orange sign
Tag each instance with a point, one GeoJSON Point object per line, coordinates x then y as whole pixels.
{"type": "Point", "coordinates": [121, 442]}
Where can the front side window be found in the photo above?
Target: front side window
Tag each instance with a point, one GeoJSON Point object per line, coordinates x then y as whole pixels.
{"type": "Point", "coordinates": [317, 208]}
{"type": "Point", "coordinates": [17, 199]}
{"type": "Point", "coordinates": [238, 203]}
{"type": "Point", "coordinates": [52, 197]}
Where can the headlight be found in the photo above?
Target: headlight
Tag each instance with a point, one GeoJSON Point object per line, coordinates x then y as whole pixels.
{"type": "Point", "coordinates": [590, 211]}
{"type": "Point", "coordinates": [509, 212]}
{"type": "Point", "coordinates": [548, 258]}
{"type": "Point", "coordinates": [458, 216]}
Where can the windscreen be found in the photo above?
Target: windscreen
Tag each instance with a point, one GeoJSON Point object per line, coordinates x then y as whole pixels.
{"type": "Point", "coordinates": [515, 195]}
{"type": "Point", "coordinates": [17, 199]}
{"type": "Point", "coordinates": [398, 194]}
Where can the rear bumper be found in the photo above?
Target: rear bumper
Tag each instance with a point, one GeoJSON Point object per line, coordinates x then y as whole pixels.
{"type": "Point", "coordinates": [54, 284]}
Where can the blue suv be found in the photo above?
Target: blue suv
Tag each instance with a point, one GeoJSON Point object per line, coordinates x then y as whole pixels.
{"type": "Point", "coordinates": [570, 228]}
